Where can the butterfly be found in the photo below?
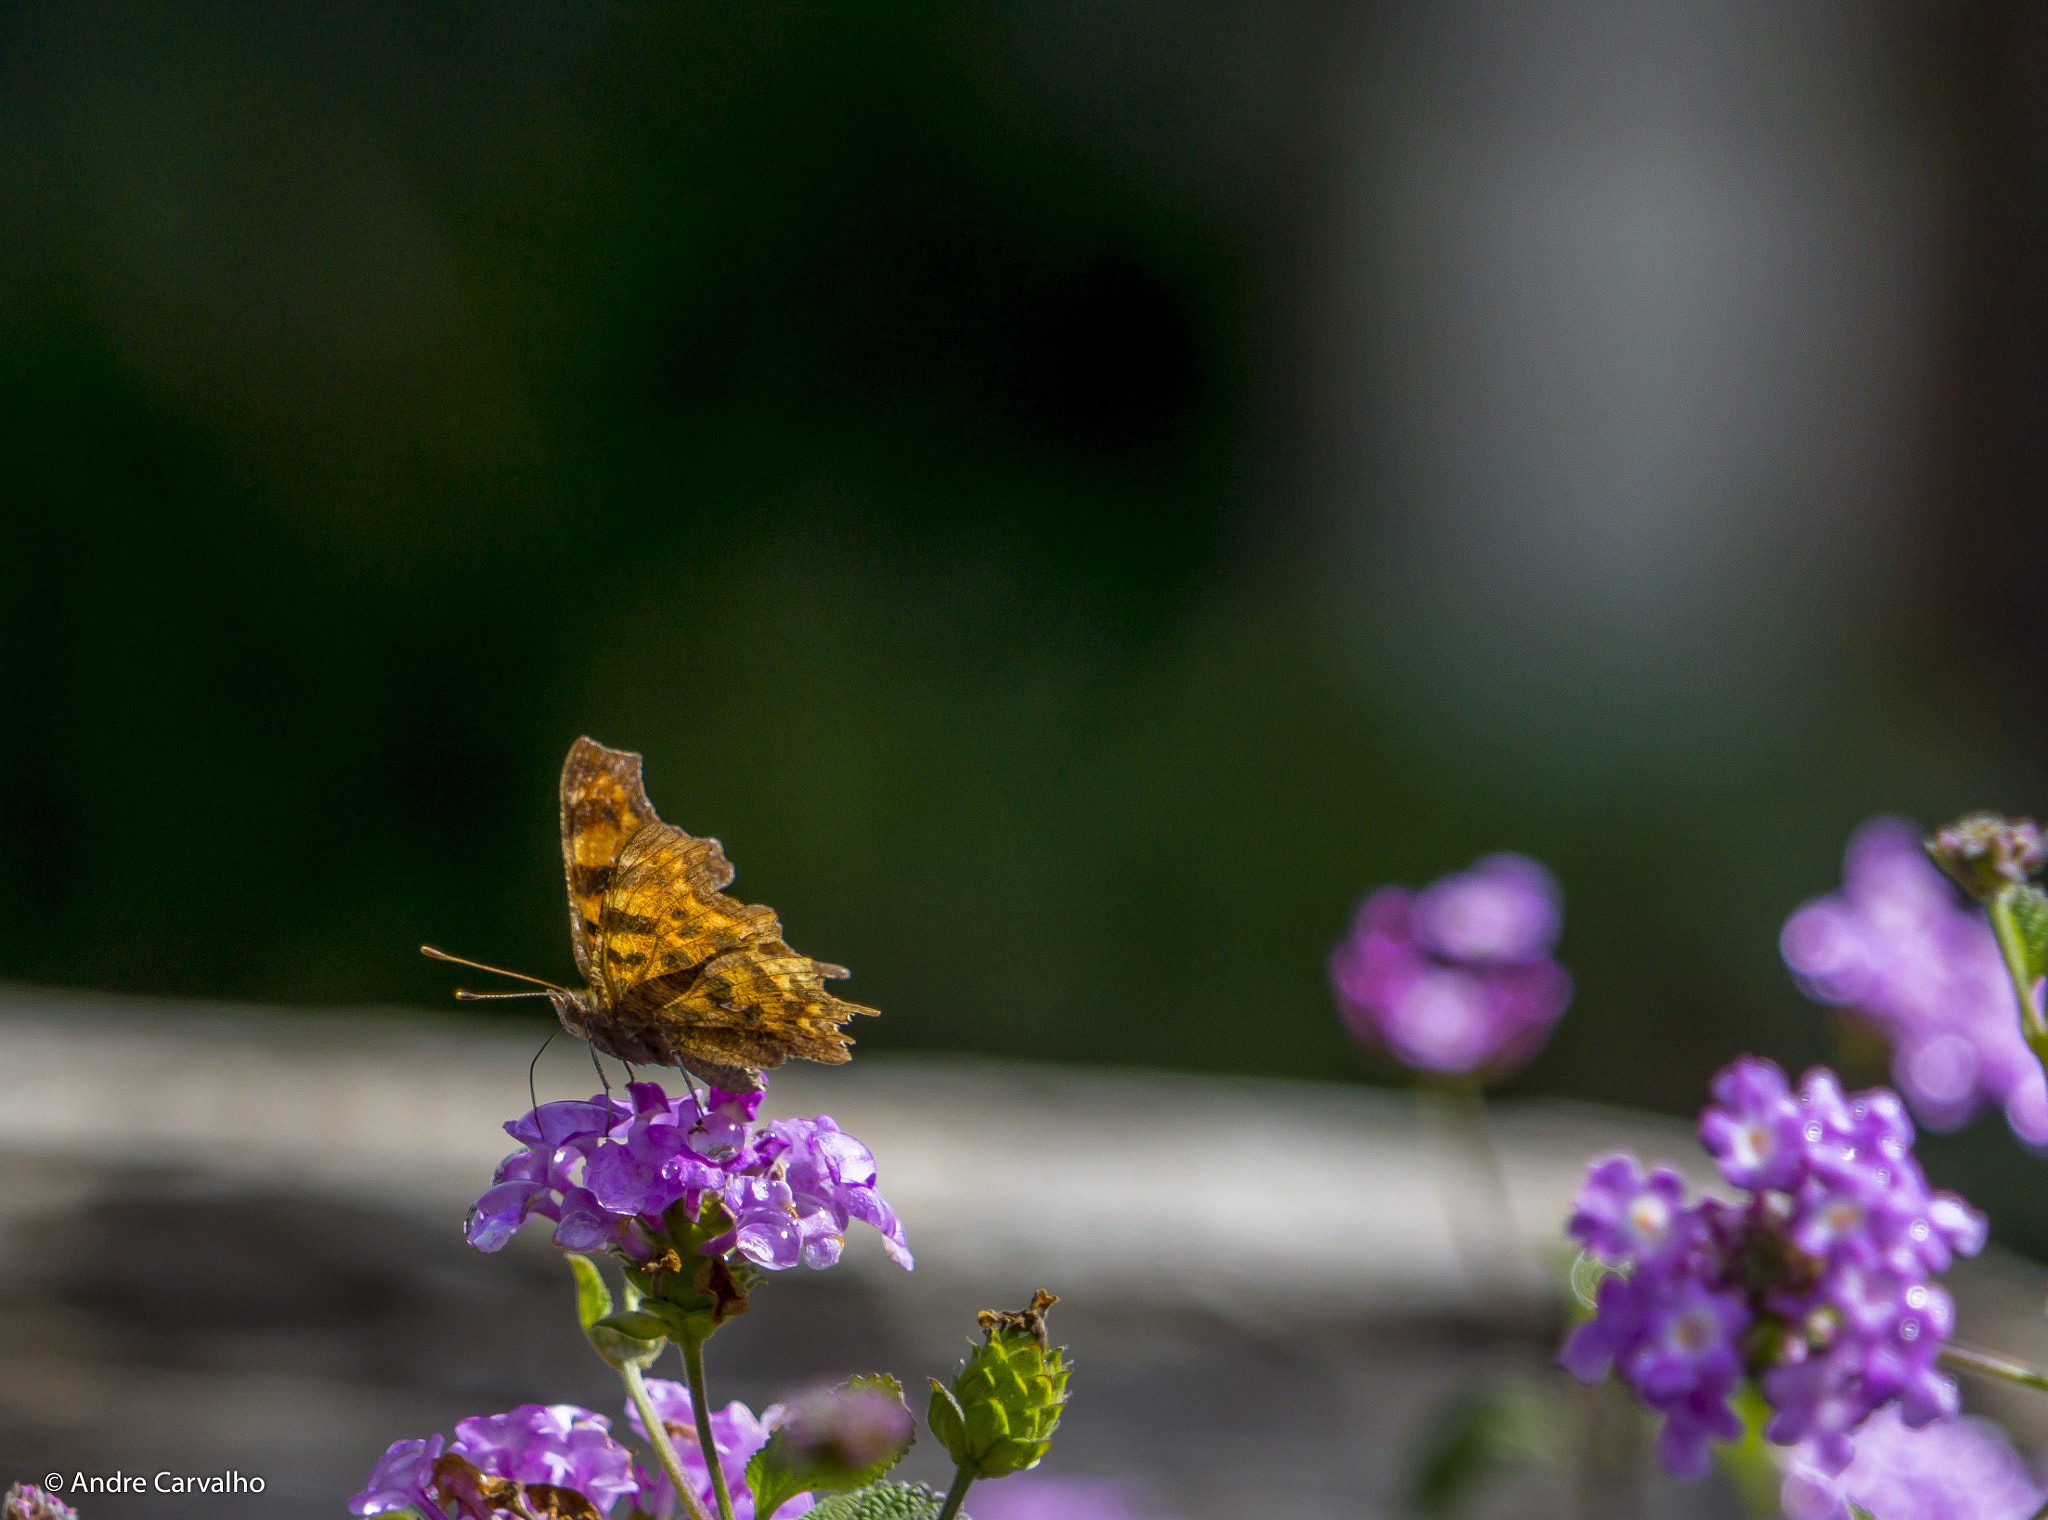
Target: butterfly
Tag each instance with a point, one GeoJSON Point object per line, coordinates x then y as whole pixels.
{"type": "Point", "coordinates": [679, 974]}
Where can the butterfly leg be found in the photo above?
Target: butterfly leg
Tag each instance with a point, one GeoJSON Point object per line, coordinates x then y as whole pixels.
{"type": "Point", "coordinates": [534, 1066]}
{"type": "Point", "coordinates": [702, 1100]}
{"type": "Point", "coordinates": [603, 1080]}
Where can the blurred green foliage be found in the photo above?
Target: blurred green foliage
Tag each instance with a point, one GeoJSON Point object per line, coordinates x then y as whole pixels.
{"type": "Point", "coordinates": [879, 416]}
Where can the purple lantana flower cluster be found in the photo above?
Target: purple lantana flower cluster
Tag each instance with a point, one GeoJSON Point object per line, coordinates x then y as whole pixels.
{"type": "Point", "coordinates": [606, 1171]}
{"type": "Point", "coordinates": [558, 1444]}
{"type": "Point", "coordinates": [1899, 947]}
{"type": "Point", "coordinates": [1963, 1469]}
{"type": "Point", "coordinates": [569, 1447]}
{"type": "Point", "coordinates": [1817, 1285]}
{"type": "Point", "coordinates": [1458, 978]}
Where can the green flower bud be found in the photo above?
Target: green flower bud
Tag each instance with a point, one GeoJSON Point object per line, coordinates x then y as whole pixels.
{"type": "Point", "coordinates": [999, 1416]}
{"type": "Point", "coordinates": [1987, 854]}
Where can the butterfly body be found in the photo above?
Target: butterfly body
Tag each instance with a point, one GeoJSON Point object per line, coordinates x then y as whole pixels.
{"type": "Point", "coordinates": [679, 973]}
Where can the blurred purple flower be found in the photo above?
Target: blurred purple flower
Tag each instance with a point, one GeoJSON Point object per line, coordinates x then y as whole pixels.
{"type": "Point", "coordinates": [1961, 1469]}
{"type": "Point", "coordinates": [1899, 947]}
{"type": "Point", "coordinates": [1458, 978]}
{"type": "Point", "coordinates": [849, 1427]}
{"type": "Point", "coordinates": [25, 1501]}
{"type": "Point", "coordinates": [734, 1430]}
{"type": "Point", "coordinates": [605, 1176]}
{"type": "Point", "coordinates": [1817, 1285]}
{"type": "Point", "coordinates": [1039, 1496]}
{"type": "Point", "coordinates": [559, 1444]}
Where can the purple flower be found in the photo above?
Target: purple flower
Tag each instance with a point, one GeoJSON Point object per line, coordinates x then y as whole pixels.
{"type": "Point", "coordinates": [831, 1179]}
{"type": "Point", "coordinates": [1899, 948]}
{"type": "Point", "coordinates": [1458, 978]}
{"type": "Point", "coordinates": [400, 1480]}
{"type": "Point", "coordinates": [1817, 1286]}
{"type": "Point", "coordinates": [606, 1176]}
{"type": "Point", "coordinates": [1961, 1469]}
{"type": "Point", "coordinates": [558, 1444]}
{"type": "Point", "coordinates": [1506, 910]}
{"type": "Point", "coordinates": [1039, 1496]}
{"type": "Point", "coordinates": [25, 1501]}
{"type": "Point", "coordinates": [736, 1433]}
{"type": "Point", "coordinates": [848, 1427]}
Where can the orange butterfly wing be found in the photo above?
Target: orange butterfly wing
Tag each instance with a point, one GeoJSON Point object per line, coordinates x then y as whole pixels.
{"type": "Point", "coordinates": [604, 804]}
{"type": "Point", "coordinates": [675, 966]}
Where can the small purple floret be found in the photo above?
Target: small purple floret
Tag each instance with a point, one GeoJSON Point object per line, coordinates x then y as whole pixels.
{"type": "Point", "coordinates": [1458, 978]}
{"type": "Point", "coordinates": [1817, 1286]}
{"type": "Point", "coordinates": [605, 1176]}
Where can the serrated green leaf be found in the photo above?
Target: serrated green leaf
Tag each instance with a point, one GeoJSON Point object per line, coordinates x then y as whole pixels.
{"type": "Point", "coordinates": [883, 1501]}
{"type": "Point", "coordinates": [780, 1470]}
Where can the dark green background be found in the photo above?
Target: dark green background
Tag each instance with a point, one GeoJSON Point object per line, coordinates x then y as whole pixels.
{"type": "Point", "coordinates": [890, 419]}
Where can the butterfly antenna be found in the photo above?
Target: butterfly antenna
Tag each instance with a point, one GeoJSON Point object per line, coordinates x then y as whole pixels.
{"type": "Point", "coordinates": [534, 1066]}
{"type": "Point", "coordinates": [517, 976]}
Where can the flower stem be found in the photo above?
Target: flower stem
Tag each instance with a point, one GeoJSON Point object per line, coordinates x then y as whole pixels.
{"type": "Point", "coordinates": [1489, 1246]}
{"type": "Point", "coordinates": [962, 1476]}
{"type": "Point", "coordinates": [657, 1437]}
{"type": "Point", "coordinates": [700, 1406]}
{"type": "Point", "coordinates": [1994, 1364]}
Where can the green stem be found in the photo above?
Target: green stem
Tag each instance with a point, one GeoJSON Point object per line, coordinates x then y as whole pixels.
{"type": "Point", "coordinates": [2012, 950]}
{"type": "Point", "coordinates": [962, 1476]}
{"type": "Point", "coordinates": [657, 1437]}
{"type": "Point", "coordinates": [1962, 1357]}
{"type": "Point", "coordinates": [700, 1405]}
{"type": "Point", "coordinates": [1489, 1246]}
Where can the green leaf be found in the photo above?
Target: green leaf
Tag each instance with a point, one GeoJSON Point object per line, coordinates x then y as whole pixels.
{"type": "Point", "coordinates": [2029, 907]}
{"type": "Point", "coordinates": [1476, 1437]}
{"type": "Point", "coordinates": [883, 1501]}
{"type": "Point", "coordinates": [593, 1298]}
{"type": "Point", "coordinates": [619, 1347]}
{"type": "Point", "coordinates": [948, 1422]}
{"type": "Point", "coordinates": [646, 1323]}
{"type": "Point", "coordinates": [781, 1470]}
{"type": "Point", "coordinates": [1858, 1512]}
